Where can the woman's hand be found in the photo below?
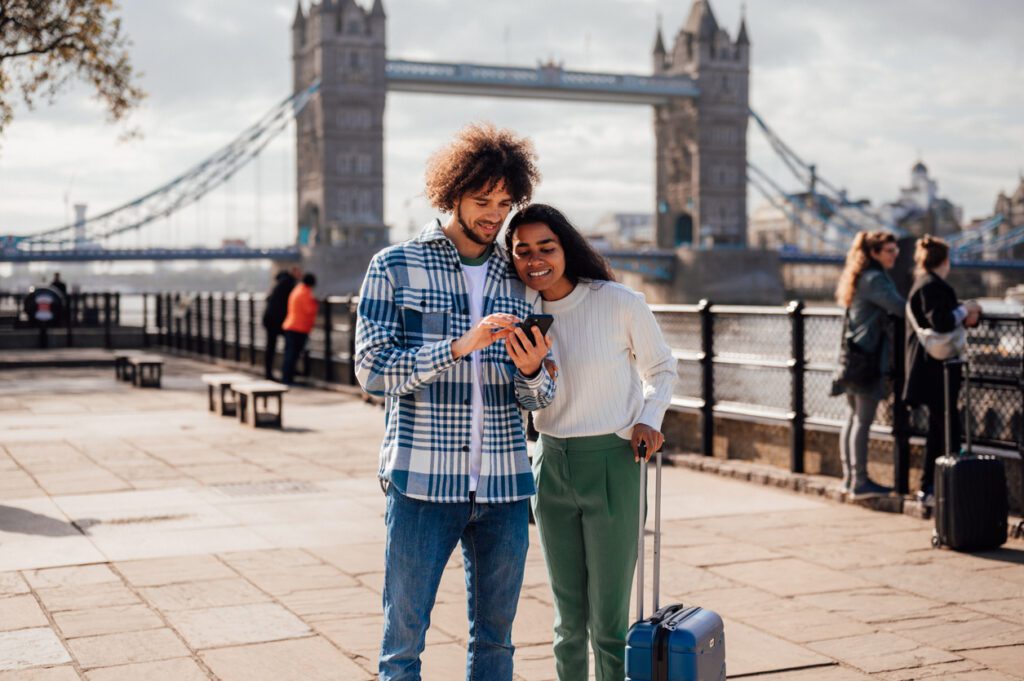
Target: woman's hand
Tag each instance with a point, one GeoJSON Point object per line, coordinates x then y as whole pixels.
{"type": "Point", "coordinates": [491, 328]}
{"type": "Point", "coordinates": [527, 355]}
{"type": "Point", "coordinates": [651, 437]}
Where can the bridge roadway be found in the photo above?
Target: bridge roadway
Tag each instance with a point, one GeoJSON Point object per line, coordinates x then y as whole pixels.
{"type": "Point", "coordinates": [142, 537]}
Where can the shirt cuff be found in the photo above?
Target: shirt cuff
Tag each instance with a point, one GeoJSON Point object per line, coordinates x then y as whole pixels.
{"type": "Point", "coordinates": [441, 357]}
{"type": "Point", "coordinates": [533, 383]}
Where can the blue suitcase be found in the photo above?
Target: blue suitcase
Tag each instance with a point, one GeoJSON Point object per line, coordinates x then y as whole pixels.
{"type": "Point", "coordinates": [676, 643]}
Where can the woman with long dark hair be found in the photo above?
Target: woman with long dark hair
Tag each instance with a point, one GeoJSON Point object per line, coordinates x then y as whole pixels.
{"type": "Point", "coordinates": [616, 375]}
{"type": "Point", "coordinates": [869, 296]}
{"type": "Point", "coordinates": [934, 305]}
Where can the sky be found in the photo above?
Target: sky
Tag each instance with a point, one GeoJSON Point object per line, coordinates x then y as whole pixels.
{"type": "Point", "coordinates": [863, 89]}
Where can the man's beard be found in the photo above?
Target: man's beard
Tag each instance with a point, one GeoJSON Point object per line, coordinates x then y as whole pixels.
{"type": "Point", "coordinates": [470, 234]}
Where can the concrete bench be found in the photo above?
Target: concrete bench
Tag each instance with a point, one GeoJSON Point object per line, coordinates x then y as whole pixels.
{"type": "Point", "coordinates": [249, 396]}
{"type": "Point", "coordinates": [146, 371]}
{"type": "Point", "coordinates": [121, 372]}
{"type": "Point", "coordinates": [224, 403]}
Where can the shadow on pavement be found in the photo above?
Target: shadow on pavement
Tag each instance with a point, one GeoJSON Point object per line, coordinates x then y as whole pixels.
{"type": "Point", "coordinates": [18, 520]}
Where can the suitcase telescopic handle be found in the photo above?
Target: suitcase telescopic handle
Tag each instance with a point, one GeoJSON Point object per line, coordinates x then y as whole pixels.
{"type": "Point", "coordinates": [642, 450]}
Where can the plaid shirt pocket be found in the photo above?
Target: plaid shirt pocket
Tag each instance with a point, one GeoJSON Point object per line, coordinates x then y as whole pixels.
{"type": "Point", "coordinates": [426, 315]}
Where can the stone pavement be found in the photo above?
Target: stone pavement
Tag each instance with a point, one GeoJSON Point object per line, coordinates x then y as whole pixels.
{"type": "Point", "coordinates": [143, 538]}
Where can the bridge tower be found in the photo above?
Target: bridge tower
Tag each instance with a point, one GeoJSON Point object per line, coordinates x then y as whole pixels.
{"type": "Point", "coordinates": [340, 134]}
{"type": "Point", "coordinates": [701, 144]}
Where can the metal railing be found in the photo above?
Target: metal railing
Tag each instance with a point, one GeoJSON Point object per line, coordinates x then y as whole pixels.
{"type": "Point", "coordinates": [775, 365]}
{"type": "Point", "coordinates": [89, 310]}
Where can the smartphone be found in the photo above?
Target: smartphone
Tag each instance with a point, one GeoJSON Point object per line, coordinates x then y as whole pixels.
{"type": "Point", "coordinates": [541, 321]}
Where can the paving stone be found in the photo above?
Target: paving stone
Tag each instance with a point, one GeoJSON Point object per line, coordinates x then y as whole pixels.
{"type": "Point", "coordinates": [801, 623]}
{"type": "Point", "coordinates": [99, 621]}
{"type": "Point", "coordinates": [203, 594]}
{"type": "Point", "coordinates": [1010, 610]}
{"type": "Point", "coordinates": [944, 583]}
{"type": "Point", "coordinates": [750, 651]}
{"type": "Point", "coordinates": [329, 604]}
{"type": "Point", "coordinates": [831, 673]}
{"type": "Point", "coordinates": [445, 661]}
{"type": "Point", "coordinates": [21, 612]}
{"type": "Point", "coordinates": [934, 671]}
{"type": "Point", "coordinates": [65, 673]}
{"type": "Point", "coordinates": [31, 648]}
{"type": "Point", "coordinates": [534, 663]}
{"type": "Point", "coordinates": [722, 554]}
{"type": "Point", "coordinates": [1008, 660]}
{"type": "Point", "coordinates": [958, 634]}
{"type": "Point", "coordinates": [789, 577]}
{"type": "Point", "coordinates": [75, 575]}
{"type": "Point", "coordinates": [284, 581]}
{"type": "Point", "coordinates": [882, 652]}
{"type": "Point", "coordinates": [307, 659]}
{"type": "Point", "coordinates": [87, 596]}
{"type": "Point", "coordinates": [180, 669]}
{"type": "Point", "coordinates": [237, 624]}
{"type": "Point", "coordinates": [872, 605]}
{"type": "Point", "coordinates": [269, 560]}
{"type": "Point", "coordinates": [174, 570]}
{"type": "Point", "coordinates": [127, 648]}
{"type": "Point", "coordinates": [12, 584]}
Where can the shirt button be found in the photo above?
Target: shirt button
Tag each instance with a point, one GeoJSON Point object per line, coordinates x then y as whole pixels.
{"type": "Point", "coordinates": [465, 402]}
{"type": "Point", "coordinates": [465, 448]}
{"type": "Point", "coordinates": [465, 310]}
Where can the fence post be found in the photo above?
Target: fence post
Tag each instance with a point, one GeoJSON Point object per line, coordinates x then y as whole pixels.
{"type": "Point", "coordinates": [117, 309]}
{"type": "Point", "coordinates": [223, 326]}
{"type": "Point", "coordinates": [353, 316]}
{"type": "Point", "coordinates": [211, 348]}
{"type": "Point", "coordinates": [797, 364]}
{"type": "Point", "coordinates": [107, 340]}
{"type": "Point", "coordinates": [328, 350]}
{"type": "Point", "coordinates": [238, 326]}
{"type": "Point", "coordinates": [900, 413]}
{"type": "Point", "coordinates": [145, 320]}
{"type": "Point", "coordinates": [707, 364]}
{"type": "Point", "coordinates": [252, 330]}
{"type": "Point", "coordinates": [199, 323]}
{"type": "Point", "coordinates": [69, 315]}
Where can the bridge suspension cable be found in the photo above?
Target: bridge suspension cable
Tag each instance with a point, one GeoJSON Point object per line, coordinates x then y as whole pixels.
{"type": "Point", "coordinates": [184, 189]}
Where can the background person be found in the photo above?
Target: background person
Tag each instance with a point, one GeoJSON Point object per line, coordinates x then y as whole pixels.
{"type": "Point", "coordinates": [274, 314]}
{"type": "Point", "coordinates": [934, 305]}
{"type": "Point", "coordinates": [616, 375]}
{"type": "Point", "coordinates": [869, 296]}
{"type": "Point", "coordinates": [302, 309]}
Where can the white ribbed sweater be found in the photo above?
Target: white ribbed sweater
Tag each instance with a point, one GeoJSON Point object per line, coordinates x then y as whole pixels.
{"type": "Point", "coordinates": [614, 368]}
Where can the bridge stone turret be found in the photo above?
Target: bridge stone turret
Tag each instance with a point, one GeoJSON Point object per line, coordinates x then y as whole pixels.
{"type": "Point", "coordinates": [701, 142]}
{"type": "Point", "coordinates": [340, 137]}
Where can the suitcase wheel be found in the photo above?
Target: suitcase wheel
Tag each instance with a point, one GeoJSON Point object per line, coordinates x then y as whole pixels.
{"type": "Point", "coordinates": [936, 542]}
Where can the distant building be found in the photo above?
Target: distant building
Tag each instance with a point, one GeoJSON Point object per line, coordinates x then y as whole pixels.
{"type": "Point", "coordinates": [823, 227]}
{"type": "Point", "coordinates": [1011, 207]}
{"type": "Point", "coordinates": [623, 230]}
{"type": "Point", "coordinates": [920, 210]}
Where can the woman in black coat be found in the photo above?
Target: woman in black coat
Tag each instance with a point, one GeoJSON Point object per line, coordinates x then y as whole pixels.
{"type": "Point", "coordinates": [934, 305]}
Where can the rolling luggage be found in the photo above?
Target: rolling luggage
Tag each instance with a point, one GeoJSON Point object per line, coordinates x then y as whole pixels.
{"type": "Point", "coordinates": [970, 491]}
{"type": "Point", "coordinates": [677, 642]}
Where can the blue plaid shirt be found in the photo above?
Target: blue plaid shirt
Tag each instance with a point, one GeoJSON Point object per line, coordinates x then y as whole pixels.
{"type": "Point", "coordinates": [413, 304]}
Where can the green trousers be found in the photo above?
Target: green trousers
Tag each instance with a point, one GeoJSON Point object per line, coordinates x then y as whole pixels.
{"type": "Point", "coordinates": [588, 489]}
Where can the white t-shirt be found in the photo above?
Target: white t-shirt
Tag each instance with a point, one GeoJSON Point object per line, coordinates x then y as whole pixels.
{"type": "Point", "coordinates": [476, 278]}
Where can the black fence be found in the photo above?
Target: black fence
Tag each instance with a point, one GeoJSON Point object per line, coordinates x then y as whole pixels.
{"type": "Point", "coordinates": [776, 365]}
{"type": "Point", "coordinates": [86, 311]}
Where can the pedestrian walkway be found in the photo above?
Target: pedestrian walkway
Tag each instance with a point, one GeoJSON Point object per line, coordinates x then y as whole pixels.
{"type": "Point", "coordinates": [142, 537]}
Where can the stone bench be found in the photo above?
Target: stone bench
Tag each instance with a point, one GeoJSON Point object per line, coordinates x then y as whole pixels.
{"type": "Point", "coordinates": [146, 371]}
{"type": "Point", "coordinates": [121, 372]}
{"type": "Point", "coordinates": [220, 399]}
{"type": "Point", "coordinates": [249, 396]}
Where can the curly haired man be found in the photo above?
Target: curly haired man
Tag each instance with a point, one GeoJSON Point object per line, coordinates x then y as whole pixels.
{"type": "Point", "coordinates": [436, 337]}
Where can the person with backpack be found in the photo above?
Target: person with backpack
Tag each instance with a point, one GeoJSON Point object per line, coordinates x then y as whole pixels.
{"type": "Point", "coordinates": [869, 296]}
{"type": "Point", "coordinates": [933, 310]}
{"type": "Point", "coordinates": [274, 313]}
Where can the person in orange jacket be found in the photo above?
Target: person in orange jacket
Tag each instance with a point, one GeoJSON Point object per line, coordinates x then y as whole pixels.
{"type": "Point", "coordinates": [302, 309]}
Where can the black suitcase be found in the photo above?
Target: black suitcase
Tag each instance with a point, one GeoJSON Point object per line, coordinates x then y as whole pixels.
{"type": "Point", "coordinates": [970, 491]}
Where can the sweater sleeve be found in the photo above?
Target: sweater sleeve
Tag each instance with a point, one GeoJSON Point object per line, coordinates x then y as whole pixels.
{"type": "Point", "coordinates": [654, 362]}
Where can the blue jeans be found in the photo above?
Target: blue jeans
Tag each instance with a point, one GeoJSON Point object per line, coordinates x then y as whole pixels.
{"type": "Point", "coordinates": [421, 536]}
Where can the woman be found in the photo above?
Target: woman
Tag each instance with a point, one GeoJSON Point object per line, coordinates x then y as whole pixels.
{"type": "Point", "coordinates": [934, 306]}
{"type": "Point", "coordinates": [869, 296]}
{"type": "Point", "coordinates": [616, 376]}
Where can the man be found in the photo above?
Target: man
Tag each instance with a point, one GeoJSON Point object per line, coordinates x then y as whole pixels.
{"type": "Point", "coordinates": [302, 309]}
{"type": "Point", "coordinates": [435, 317]}
{"type": "Point", "coordinates": [275, 312]}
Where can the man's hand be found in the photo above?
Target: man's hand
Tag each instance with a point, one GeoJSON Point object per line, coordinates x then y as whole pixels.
{"type": "Point", "coordinates": [527, 355]}
{"type": "Point", "coordinates": [651, 437]}
{"type": "Point", "coordinates": [491, 328]}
